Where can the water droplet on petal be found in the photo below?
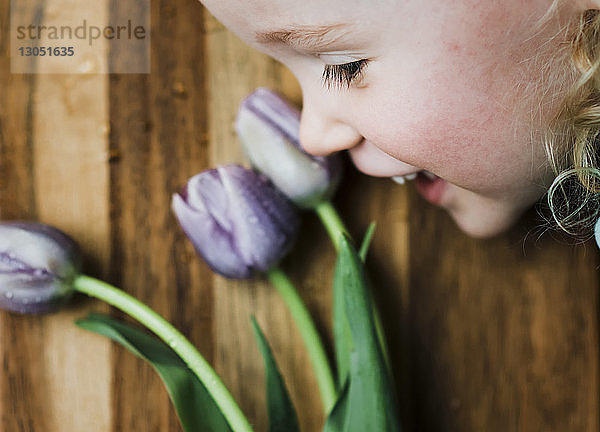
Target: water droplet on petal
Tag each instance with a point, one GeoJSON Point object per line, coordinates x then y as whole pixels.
{"type": "Point", "coordinates": [8, 295]}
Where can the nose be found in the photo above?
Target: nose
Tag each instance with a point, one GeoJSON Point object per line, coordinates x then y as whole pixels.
{"type": "Point", "coordinates": [322, 133]}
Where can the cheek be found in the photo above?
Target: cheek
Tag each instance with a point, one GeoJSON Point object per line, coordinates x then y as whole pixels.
{"type": "Point", "coordinates": [455, 133]}
{"type": "Point", "coordinates": [453, 104]}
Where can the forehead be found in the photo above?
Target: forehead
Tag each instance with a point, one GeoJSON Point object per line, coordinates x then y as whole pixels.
{"type": "Point", "coordinates": [247, 17]}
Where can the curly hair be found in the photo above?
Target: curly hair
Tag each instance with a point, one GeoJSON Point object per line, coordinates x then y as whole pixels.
{"type": "Point", "coordinates": [572, 144]}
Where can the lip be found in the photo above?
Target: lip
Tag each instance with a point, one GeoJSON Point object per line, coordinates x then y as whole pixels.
{"type": "Point", "coordinates": [431, 189]}
{"type": "Point", "coordinates": [371, 160]}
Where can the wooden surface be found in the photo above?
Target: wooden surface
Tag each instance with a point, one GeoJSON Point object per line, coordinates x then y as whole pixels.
{"type": "Point", "coordinates": [497, 335]}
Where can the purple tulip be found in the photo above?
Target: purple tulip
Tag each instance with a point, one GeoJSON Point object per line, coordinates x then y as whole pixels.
{"type": "Point", "coordinates": [269, 129]}
{"type": "Point", "coordinates": [237, 220]}
{"type": "Point", "coordinates": [38, 265]}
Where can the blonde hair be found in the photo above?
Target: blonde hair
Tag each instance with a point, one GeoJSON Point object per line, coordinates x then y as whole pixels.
{"type": "Point", "coordinates": [572, 144]}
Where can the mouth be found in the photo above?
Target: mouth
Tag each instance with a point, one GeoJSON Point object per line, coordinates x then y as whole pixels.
{"type": "Point", "coordinates": [429, 186]}
{"type": "Point", "coordinates": [401, 179]}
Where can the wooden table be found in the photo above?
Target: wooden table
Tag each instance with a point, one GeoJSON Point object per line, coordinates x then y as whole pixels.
{"type": "Point", "coordinates": [497, 335]}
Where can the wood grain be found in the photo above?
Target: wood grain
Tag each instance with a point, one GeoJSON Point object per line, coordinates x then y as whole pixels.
{"type": "Point", "coordinates": [234, 71]}
{"type": "Point", "coordinates": [56, 125]}
{"type": "Point", "coordinates": [158, 139]}
{"type": "Point", "coordinates": [491, 335]}
{"type": "Point", "coordinates": [505, 332]}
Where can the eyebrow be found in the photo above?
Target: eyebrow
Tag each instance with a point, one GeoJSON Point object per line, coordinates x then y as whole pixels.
{"type": "Point", "coordinates": [304, 37]}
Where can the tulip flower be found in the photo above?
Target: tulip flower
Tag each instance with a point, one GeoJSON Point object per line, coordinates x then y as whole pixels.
{"type": "Point", "coordinates": [269, 129]}
{"type": "Point", "coordinates": [38, 265]}
{"type": "Point", "coordinates": [40, 268]}
{"type": "Point", "coordinates": [241, 224]}
{"type": "Point", "coordinates": [237, 220]}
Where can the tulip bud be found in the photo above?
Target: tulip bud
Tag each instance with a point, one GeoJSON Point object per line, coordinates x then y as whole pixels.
{"type": "Point", "coordinates": [38, 265]}
{"type": "Point", "coordinates": [269, 129]}
{"type": "Point", "coordinates": [237, 220]}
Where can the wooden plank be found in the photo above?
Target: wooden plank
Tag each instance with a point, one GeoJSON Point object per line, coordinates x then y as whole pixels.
{"type": "Point", "coordinates": [22, 387]}
{"type": "Point", "coordinates": [485, 335]}
{"type": "Point", "coordinates": [504, 332]}
{"type": "Point", "coordinates": [158, 140]}
{"type": "Point", "coordinates": [70, 161]}
{"type": "Point", "coordinates": [234, 71]}
{"type": "Point", "coordinates": [54, 150]}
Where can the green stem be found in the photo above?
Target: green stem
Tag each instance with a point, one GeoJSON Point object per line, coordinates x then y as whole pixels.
{"type": "Point", "coordinates": [178, 342]}
{"type": "Point", "coordinates": [308, 330]}
{"type": "Point", "coordinates": [332, 221]}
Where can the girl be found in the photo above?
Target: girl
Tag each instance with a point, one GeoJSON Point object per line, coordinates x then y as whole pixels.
{"type": "Point", "coordinates": [486, 105]}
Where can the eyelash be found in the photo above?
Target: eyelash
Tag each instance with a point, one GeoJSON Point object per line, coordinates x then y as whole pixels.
{"type": "Point", "coordinates": [343, 75]}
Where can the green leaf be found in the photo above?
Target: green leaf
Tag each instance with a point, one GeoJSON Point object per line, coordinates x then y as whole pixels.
{"type": "Point", "coordinates": [341, 334]}
{"type": "Point", "coordinates": [195, 407]}
{"type": "Point", "coordinates": [282, 416]}
{"type": "Point", "coordinates": [371, 402]}
{"type": "Point", "coordinates": [341, 329]}
{"type": "Point", "coordinates": [337, 416]}
{"type": "Point", "coordinates": [364, 247]}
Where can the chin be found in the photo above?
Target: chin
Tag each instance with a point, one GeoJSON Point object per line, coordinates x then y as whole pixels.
{"type": "Point", "coordinates": [484, 224]}
{"type": "Point", "coordinates": [482, 230]}
{"type": "Point", "coordinates": [483, 217]}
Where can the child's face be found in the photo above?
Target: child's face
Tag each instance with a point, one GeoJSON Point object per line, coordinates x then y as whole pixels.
{"type": "Point", "coordinates": [461, 89]}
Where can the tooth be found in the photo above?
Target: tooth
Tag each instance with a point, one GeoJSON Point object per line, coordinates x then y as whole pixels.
{"type": "Point", "coordinates": [399, 179]}
{"type": "Point", "coordinates": [430, 176]}
{"type": "Point", "coordinates": [410, 176]}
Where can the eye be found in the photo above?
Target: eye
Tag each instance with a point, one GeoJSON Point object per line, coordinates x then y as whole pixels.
{"type": "Point", "coordinates": [343, 75]}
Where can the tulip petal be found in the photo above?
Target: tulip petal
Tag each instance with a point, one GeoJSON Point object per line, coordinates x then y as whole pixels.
{"type": "Point", "coordinates": [236, 219]}
{"type": "Point", "coordinates": [210, 240]}
{"type": "Point", "coordinates": [29, 293]}
{"type": "Point", "coordinates": [205, 192]}
{"type": "Point", "coordinates": [280, 160]}
{"type": "Point", "coordinates": [38, 264]}
{"type": "Point", "coordinates": [274, 110]}
{"type": "Point", "coordinates": [264, 221]}
{"type": "Point", "coordinates": [269, 129]}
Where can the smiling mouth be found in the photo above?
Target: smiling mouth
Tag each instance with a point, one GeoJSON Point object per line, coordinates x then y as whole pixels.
{"type": "Point", "coordinates": [404, 178]}
{"type": "Point", "coordinates": [401, 179]}
{"type": "Point", "coordinates": [429, 186]}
